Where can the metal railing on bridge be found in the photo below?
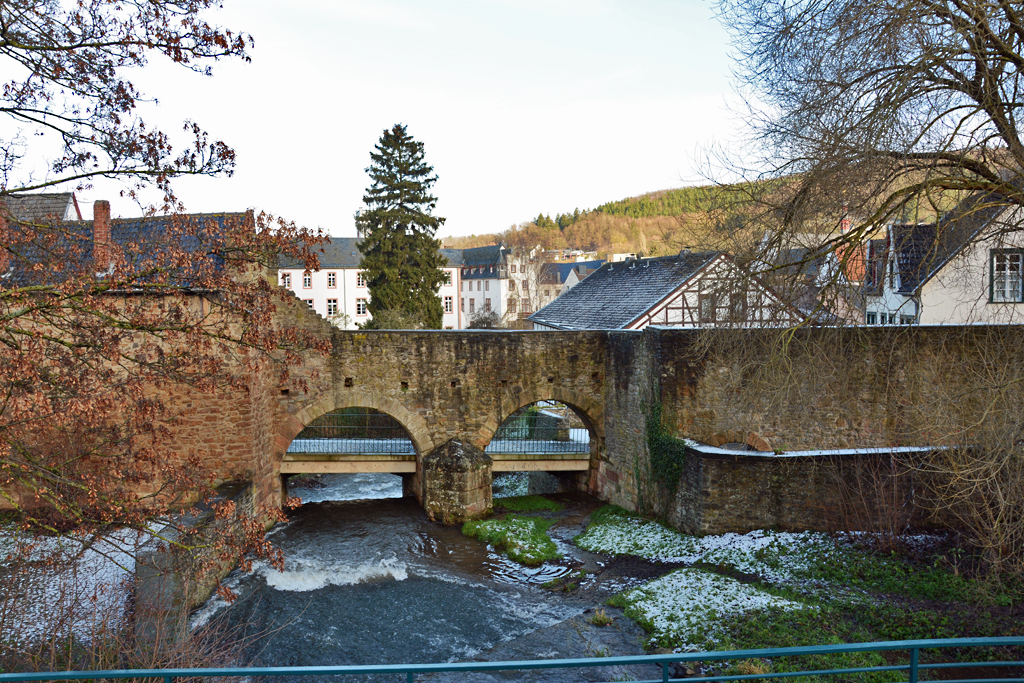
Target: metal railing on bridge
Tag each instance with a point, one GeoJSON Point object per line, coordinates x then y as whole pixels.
{"type": "Point", "coordinates": [907, 657]}
{"type": "Point", "coordinates": [356, 432]}
{"type": "Point", "coordinates": [539, 432]}
{"type": "Point", "coordinates": [365, 431]}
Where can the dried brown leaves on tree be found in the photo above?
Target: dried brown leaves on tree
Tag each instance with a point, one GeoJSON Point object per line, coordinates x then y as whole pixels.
{"type": "Point", "coordinates": [99, 337]}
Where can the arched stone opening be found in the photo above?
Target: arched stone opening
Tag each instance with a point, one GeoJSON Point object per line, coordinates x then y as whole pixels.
{"type": "Point", "coordinates": [590, 412]}
{"type": "Point", "coordinates": [413, 425]}
{"type": "Point", "coordinates": [561, 458]}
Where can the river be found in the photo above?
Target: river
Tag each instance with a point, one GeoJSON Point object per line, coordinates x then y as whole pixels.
{"type": "Point", "coordinates": [368, 579]}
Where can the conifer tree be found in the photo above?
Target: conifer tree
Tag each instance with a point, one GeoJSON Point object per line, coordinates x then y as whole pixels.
{"type": "Point", "coordinates": [401, 261]}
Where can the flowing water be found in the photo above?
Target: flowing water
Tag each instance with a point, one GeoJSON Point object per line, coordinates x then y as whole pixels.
{"type": "Point", "coordinates": [368, 579]}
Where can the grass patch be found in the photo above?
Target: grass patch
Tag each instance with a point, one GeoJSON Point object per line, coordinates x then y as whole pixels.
{"type": "Point", "coordinates": [770, 589]}
{"type": "Point", "coordinates": [528, 504]}
{"type": "Point", "coordinates": [687, 607]}
{"type": "Point", "coordinates": [524, 539]}
{"type": "Point", "coordinates": [897, 575]}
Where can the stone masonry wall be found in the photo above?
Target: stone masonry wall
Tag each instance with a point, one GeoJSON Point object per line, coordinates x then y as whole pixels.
{"type": "Point", "coordinates": [809, 389]}
{"type": "Point", "coordinates": [719, 494]}
{"type": "Point", "coordinates": [822, 389]}
{"type": "Point", "coordinates": [620, 475]}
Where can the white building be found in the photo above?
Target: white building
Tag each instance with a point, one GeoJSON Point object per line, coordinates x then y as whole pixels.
{"type": "Point", "coordinates": [338, 290]}
{"type": "Point", "coordinates": [967, 268]}
{"type": "Point", "coordinates": [497, 280]}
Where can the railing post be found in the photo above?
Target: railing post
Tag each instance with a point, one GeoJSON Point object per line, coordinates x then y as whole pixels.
{"type": "Point", "coordinates": [913, 665]}
{"type": "Point", "coordinates": [664, 672]}
{"type": "Point", "coordinates": [409, 677]}
{"type": "Point", "coordinates": [168, 679]}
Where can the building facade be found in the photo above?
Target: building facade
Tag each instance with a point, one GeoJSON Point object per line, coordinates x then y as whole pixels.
{"type": "Point", "coordinates": [338, 291]}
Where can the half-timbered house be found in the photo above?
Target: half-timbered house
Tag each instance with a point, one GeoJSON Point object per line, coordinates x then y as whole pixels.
{"type": "Point", "coordinates": [706, 289]}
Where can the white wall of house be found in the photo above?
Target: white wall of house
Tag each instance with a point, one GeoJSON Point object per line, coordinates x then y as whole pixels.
{"type": "Point", "coordinates": [493, 291]}
{"type": "Point", "coordinates": [966, 290]}
{"type": "Point", "coordinates": [341, 295]}
{"type": "Point", "coordinates": [961, 293]}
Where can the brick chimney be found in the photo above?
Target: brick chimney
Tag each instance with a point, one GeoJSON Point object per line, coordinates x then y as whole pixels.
{"type": "Point", "coordinates": [101, 235]}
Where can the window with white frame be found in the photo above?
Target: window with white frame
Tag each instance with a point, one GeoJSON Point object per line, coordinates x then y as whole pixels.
{"type": "Point", "coordinates": [462, 304]}
{"type": "Point", "coordinates": [871, 318]}
{"type": "Point", "coordinates": [513, 267]}
{"type": "Point", "coordinates": [332, 307]}
{"type": "Point", "coordinates": [479, 285]}
{"type": "Point", "coordinates": [1007, 275]}
{"type": "Point", "coordinates": [360, 279]}
{"type": "Point", "coordinates": [332, 279]}
{"type": "Point", "coordinates": [472, 305]}
{"type": "Point", "coordinates": [286, 280]}
{"type": "Point", "coordinates": [309, 302]}
{"type": "Point", "coordinates": [360, 306]}
{"type": "Point", "coordinates": [487, 304]}
{"type": "Point", "coordinates": [449, 304]}
{"type": "Point", "coordinates": [307, 280]}
{"type": "Point", "coordinates": [487, 285]}
{"type": "Point", "coordinates": [448, 278]}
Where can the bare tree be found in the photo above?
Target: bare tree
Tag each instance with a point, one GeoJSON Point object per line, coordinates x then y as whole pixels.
{"type": "Point", "coordinates": [874, 112]}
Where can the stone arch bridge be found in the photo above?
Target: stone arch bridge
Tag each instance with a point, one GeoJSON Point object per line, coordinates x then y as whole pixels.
{"type": "Point", "coordinates": [842, 390]}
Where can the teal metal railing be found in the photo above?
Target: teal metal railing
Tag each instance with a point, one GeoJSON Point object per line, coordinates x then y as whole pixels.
{"type": "Point", "coordinates": [913, 668]}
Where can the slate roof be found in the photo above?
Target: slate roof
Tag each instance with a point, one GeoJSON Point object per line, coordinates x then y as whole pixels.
{"type": "Point", "coordinates": [556, 273]}
{"type": "Point", "coordinates": [43, 206]}
{"type": "Point", "coordinates": [617, 293]}
{"type": "Point", "coordinates": [484, 256]}
{"type": "Point", "coordinates": [343, 252]}
{"type": "Point", "coordinates": [923, 249]}
{"type": "Point", "coordinates": [453, 256]}
{"type": "Point", "coordinates": [67, 247]}
{"type": "Point", "coordinates": [338, 252]}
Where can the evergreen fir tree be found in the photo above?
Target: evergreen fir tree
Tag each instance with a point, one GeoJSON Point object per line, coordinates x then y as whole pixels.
{"type": "Point", "coordinates": [400, 254]}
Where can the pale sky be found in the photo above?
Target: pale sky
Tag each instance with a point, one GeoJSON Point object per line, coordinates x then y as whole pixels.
{"type": "Point", "coordinates": [523, 106]}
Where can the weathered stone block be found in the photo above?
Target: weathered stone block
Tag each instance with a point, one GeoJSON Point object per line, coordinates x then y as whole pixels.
{"type": "Point", "coordinates": [456, 482]}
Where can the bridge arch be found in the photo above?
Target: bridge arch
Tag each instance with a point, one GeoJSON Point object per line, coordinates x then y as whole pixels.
{"type": "Point", "coordinates": [414, 424]}
{"type": "Point", "coordinates": [589, 411]}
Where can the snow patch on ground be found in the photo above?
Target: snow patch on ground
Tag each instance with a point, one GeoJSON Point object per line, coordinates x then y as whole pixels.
{"type": "Point", "coordinates": [511, 484]}
{"type": "Point", "coordinates": [776, 557]}
{"type": "Point", "coordinates": [58, 584]}
{"type": "Point", "coordinates": [689, 604]}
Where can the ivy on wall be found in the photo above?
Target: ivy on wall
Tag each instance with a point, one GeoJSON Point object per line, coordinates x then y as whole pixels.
{"type": "Point", "coordinates": [668, 454]}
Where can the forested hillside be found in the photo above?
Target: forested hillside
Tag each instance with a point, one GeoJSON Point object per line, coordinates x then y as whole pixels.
{"type": "Point", "coordinates": [656, 223]}
{"type": "Point", "coordinates": [663, 222]}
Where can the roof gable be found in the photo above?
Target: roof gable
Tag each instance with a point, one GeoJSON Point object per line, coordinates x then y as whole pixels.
{"type": "Point", "coordinates": [922, 250]}
{"type": "Point", "coordinates": [42, 207]}
{"type": "Point", "coordinates": [618, 293]}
